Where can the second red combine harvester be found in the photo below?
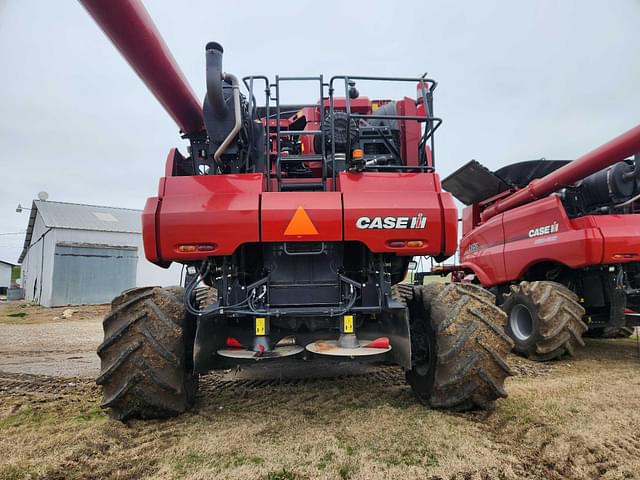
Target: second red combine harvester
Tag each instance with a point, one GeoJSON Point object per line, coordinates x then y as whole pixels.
{"type": "Point", "coordinates": [297, 224]}
{"type": "Point", "coordinates": [558, 242]}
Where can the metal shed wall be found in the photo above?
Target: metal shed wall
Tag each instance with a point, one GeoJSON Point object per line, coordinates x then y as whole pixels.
{"type": "Point", "coordinates": [84, 274]}
{"type": "Point", "coordinates": [5, 275]}
{"type": "Point", "coordinates": [97, 273]}
{"type": "Point", "coordinates": [36, 273]}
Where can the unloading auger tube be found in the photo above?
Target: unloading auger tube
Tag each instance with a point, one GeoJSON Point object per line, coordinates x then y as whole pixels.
{"type": "Point", "coordinates": [130, 28]}
{"type": "Point", "coordinates": [607, 154]}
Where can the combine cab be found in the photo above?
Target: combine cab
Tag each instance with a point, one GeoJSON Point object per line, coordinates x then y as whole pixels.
{"type": "Point", "coordinates": [558, 242]}
{"type": "Point", "coordinates": [296, 224]}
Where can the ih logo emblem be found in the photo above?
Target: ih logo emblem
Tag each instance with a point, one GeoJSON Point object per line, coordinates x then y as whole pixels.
{"type": "Point", "coordinates": [301, 224]}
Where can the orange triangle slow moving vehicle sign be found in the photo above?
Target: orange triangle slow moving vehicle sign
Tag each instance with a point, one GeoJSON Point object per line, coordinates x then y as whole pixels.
{"type": "Point", "coordinates": [301, 224]}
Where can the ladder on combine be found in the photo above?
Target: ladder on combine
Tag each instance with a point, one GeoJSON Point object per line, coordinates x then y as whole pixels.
{"type": "Point", "coordinates": [294, 186]}
{"type": "Point", "coordinates": [273, 115]}
{"type": "Point", "coordinates": [279, 160]}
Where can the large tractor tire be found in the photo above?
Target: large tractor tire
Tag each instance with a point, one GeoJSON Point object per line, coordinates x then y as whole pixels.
{"type": "Point", "coordinates": [146, 356]}
{"type": "Point", "coordinates": [544, 320]}
{"type": "Point", "coordinates": [458, 345]}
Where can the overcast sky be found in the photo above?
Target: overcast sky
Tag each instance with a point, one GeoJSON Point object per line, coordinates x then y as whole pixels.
{"type": "Point", "coordinates": [517, 80]}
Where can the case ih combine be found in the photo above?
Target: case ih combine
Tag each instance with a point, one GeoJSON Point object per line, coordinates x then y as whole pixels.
{"type": "Point", "coordinates": [297, 223]}
{"type": "Point", "coordinates": [558, 242]}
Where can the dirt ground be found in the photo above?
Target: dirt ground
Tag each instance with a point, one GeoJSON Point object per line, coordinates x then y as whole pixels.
{"type": "Point", "coordinates": [39, 340]}
{"type": "Point", "coordinates": [574, 419]}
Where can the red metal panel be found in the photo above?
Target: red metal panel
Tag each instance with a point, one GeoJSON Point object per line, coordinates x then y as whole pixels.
{"type": "Point", "coordinates": [483, 252]}
{"type": "Point", "coordinates": [323, 209]}
{"type": "Point", "coordinates": [621, 237]}
{"type": "Point", "coordinates": [541, 231]}
{"type": "Point", "coordinates": [394, 195]}
{"type": "Point", "coordinates": [449, 224]}
{"type": "Point", "coordinates": [149, 238]}
{"type": "Point", "coordinates": [357, 105]}
{"type": "Point", "coordinates": [130, 28]}
{"type": "Point", "coordinates": [470, 218]}
{"type": "Point", "coordinates": [611, 152]}
{"type": "Point", "coordinates": [209, 209]}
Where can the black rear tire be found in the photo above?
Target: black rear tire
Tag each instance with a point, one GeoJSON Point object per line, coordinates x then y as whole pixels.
{"type": "Point", "coordinates": [544, 320]}
{"type": "Point", "coordinates": [146, 356]}
{"type": "Point", "coordinates": [458, 346]}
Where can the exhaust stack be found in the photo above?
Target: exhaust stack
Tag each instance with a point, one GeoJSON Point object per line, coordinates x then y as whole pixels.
{"type": "Point", "coordinates": [215, 95]}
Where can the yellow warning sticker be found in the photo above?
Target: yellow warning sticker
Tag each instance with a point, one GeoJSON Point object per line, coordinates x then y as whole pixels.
{"type": "Point", "coordinates": [261, 326]}
{"type": "Point", "coordinates": [347, 324]}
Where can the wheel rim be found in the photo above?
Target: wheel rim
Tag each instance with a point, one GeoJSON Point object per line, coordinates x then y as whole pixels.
{"type": "Point", "coordinates": [521, 322]}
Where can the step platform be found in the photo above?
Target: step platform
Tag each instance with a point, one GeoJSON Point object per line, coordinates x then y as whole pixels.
{"type": "Point", "coordinates": [330, 347]}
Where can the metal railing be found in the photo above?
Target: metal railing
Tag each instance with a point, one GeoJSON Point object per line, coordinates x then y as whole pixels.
{"type": "Point", "coordinates": [427, 86]}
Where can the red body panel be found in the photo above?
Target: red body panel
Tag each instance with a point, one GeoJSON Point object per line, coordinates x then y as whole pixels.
{"type": "Point", "coordinates": [324, 210]}
{"type": "Point", "coordinates": [483, 251]}
{"type": "Point", "coordinates": [149, 235]}
{"type": "Point", "coordinates": [230, 210]}
{"type": "Point", "coordinates": [399, 194]}
{"type": "Point", "coordinates": [512, 238]}
{"type": "Point", "coordinates": [621, 235]}
{"type": "Point", "coordinates": [208, 209]}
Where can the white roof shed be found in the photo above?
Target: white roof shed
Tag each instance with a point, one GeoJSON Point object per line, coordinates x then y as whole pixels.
{"type": "Point", "coordinates": [85, 254]}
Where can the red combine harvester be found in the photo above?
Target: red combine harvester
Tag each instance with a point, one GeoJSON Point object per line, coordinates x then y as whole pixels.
{"type": "Point", "coordinates": [297, 224]}
{"type": "Point", "coordinates": [558, 242]}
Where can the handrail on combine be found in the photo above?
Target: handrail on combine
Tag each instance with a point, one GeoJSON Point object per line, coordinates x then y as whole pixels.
{"type": "Point", "coordinates": [432, 122]}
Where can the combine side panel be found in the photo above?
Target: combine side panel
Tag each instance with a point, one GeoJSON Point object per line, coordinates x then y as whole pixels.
{"type": "Point", "coordinates": [209, 210]}
{"type": "Point", "coordinates": [382, 210]}
{"type": "Point", "coordinates": [483, 252]}
{"type": "Point", "coordinates": [541, 231]}
{"type": "Point", "coordinates": [621, 237]}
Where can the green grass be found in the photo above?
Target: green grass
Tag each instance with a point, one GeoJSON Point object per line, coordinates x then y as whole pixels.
{"type": "Point", "coordinates": [17, 315]}
{"type": "Point", "coordinates": [189, 462]}
{"type": "Point", "coordinates": [14, 472]}
{"type": "Point", "coordinates": [412, 457]}
{"type": "Point", "coordinates": [194, 461]}
{"type": "Point", "coordinates": [236, 460]}
{"type": "Point", "coordinates": [326, 460]}
{"type": "Point", "coordinates": [92, 414]}
{"type": "Point", "coordinates": [515, 410]}
{"type": "Point", "coordinates": [347, 470]}
{"type": "Point", "coordinates": [282, 474]}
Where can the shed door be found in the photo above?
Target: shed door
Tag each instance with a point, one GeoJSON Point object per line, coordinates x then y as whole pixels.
{"type": "Point", "coordinates": [92, 274]}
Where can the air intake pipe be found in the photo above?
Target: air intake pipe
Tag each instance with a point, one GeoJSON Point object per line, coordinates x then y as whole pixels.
{"type": "Point", "coordinates": [217, 103]}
